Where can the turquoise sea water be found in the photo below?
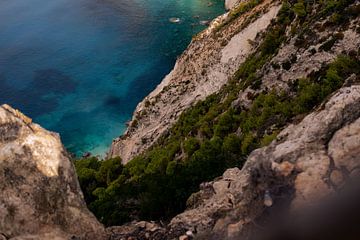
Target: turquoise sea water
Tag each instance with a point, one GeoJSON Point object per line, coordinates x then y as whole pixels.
{"type": "Point", "coordinates": [80, 67]}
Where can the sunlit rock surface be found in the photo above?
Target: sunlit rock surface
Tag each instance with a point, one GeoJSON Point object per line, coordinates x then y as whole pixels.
{"type": "Point", "coordinates": [40, 195]}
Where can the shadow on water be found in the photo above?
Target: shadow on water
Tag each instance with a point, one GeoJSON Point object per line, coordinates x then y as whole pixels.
{"type": "Point", "coordinates": [48, 85]}
{"type": "Point", "coordinates": [143, 84]}
{"type": "Point", "coordinates": [53, 80]}
{"type": "Point", "coordinates": [80, 67]}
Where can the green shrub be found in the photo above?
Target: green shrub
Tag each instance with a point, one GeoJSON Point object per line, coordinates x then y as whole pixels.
{"type": "Point", "coordinates": [267, 139]}
{"type": "Point", "coordinates": [191, 145]}
{"type": "Point", "coordinates": [299, 9]}
{"type": "Point", "coordinates": [231, 144]}
{"type": "Point", "coordinates": [109, 171]}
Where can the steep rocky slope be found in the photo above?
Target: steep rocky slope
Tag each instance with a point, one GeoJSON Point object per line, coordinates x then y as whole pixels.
{"type": "Point", "coordinates": [313, 39]}
{"type": "Point", "coordinates": [206, 65]}
{"type": "Point", "coordinates": [307, 163]}
{"type": "Point", "coordinates": [40, 195]}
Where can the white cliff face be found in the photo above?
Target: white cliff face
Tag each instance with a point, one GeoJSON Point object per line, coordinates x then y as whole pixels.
{"type": "Point", "coordinates": [229, 4]}
{"type": "Point", "coordinates": [40, 196]}
{"type": "Point", "coordinates": [207, 64]}
{"type": "Point", "coordinates": [239, 45]}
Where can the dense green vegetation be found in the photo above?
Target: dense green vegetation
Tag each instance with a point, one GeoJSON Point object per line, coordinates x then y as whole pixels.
{"type": "Point", "coordinates": [208, 138]}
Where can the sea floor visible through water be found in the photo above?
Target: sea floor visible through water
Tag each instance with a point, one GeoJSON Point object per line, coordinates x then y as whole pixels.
{"type": "Point", "coordinates": [79, 68]}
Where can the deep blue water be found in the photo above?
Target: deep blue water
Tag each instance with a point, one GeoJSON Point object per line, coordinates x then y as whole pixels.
{"type": "Point", "coordinates": [79, 67]}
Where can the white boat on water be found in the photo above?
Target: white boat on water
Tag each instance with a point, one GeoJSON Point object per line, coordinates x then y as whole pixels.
{"type": "Point", "coordinates": [174, 20]}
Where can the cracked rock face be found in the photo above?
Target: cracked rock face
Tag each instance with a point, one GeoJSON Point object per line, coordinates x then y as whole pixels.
{"type": "Point", "coordinates": [40, 195]}
{"type": "Point", "coordinates": [306, 163]}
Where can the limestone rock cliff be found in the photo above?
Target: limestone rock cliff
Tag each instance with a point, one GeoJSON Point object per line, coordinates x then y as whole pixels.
{"type": "Point", "coordinates": [215, 55]}
{"type": "Point", "coordinates": [40, 195]}
{"type": "Point", "coordinates": [229, 4]}
{"type": "Point", "coordinates": [206, 65]}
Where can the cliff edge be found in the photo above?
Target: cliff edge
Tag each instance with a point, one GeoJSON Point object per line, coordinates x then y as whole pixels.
{"type": "Point", "coordinates": [40, 194]}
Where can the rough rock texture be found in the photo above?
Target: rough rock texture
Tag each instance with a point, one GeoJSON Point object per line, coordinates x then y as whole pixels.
{"type": "Point", "coordinates": [137, 230]}
{"type": "Point", "coordinates": [212, 57]}
{"type": "Point", "coordinates": [307, 162]}
{"type": "Point", "coordinates": [304, 60]}
{"type": "Point", "coordinates": [229, 4]}
{"type": "Point", "coordinates": [40, 195]}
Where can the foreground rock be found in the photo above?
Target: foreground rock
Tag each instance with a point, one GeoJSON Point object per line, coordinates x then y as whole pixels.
{"type": "Point", "coordinates": [40, 195]}
{"type": "Point", "coordinates": [137, 230]}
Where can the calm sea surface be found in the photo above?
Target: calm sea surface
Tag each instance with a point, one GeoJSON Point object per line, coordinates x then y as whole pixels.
{"type": "Point", "coordinates": [79, 67]}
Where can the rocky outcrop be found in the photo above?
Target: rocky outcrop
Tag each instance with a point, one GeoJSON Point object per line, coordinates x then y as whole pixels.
{"type": "Point", "coordinates": [137, 230]}
{"type": "Point", "coordinates": [229, 4]}
{"type": "Point", "coordinates": [210, 60]}
{"type": "Point", "coordinates": [40, 195]}
{"type": "Point", "coordinates": [307, 162]}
